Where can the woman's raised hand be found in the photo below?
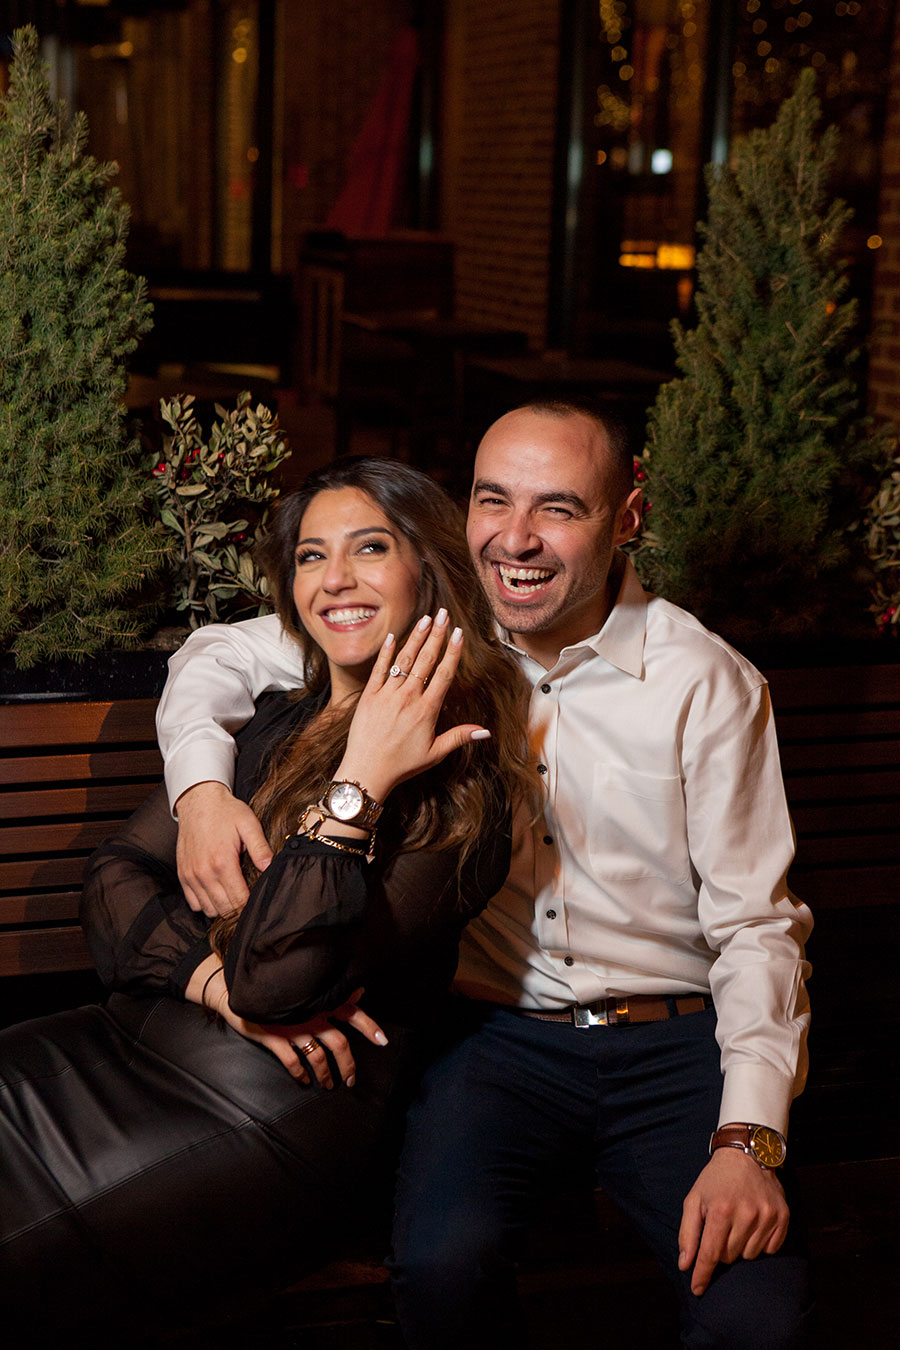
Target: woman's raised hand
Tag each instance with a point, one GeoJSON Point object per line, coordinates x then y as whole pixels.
{"type": "Point", "coordinates": [392, 735]}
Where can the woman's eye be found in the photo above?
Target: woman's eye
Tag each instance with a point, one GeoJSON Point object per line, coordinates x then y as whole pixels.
{"type": "Point", "coordinates": [373, 546]}
{"type": "Point", "coordinates": [309, 556]}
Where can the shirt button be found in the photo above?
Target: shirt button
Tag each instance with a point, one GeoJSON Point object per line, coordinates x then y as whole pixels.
{"type": "Point", "coordinates": [548, 838]}
{"type": "Point", "coordinates": [570, 961]}
{"type": "Point", "coordinates": [551, 913]}
{"type": "Point", "coordinates": [542, 768]}
{"type": "Point", "coordinates": [545, 689]}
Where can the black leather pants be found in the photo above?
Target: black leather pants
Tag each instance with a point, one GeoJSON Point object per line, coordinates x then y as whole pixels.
{"type": "Point", "coordinates": [156, 1167]}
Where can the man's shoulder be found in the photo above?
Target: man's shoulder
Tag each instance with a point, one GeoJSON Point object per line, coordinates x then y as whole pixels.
{"type": "Point", "coordinates": [681, 639]}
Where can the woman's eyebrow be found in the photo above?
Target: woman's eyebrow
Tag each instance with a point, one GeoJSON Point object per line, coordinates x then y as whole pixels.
{"type": "Point", "coordinates": [354, 534]}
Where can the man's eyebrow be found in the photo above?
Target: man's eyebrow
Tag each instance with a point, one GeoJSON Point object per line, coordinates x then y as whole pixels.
{"type": "Point", "coordinates": [354, 534]}
{"type": "Point", "coordinates": [483, 485]}
{"type": "Point", "coordinates": [569, 498]}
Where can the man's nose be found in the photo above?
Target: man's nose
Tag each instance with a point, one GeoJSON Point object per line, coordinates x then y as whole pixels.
{"type": "Point", "coordinates": [519, 537]}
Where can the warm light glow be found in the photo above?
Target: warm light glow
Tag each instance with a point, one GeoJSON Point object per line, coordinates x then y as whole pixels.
{"type": "Point", "coordinates": [738, 70]}
{"type": "Point", "coordinates": [637, 260]}
{"type": "Point", "coordinates": [874, 241]}
{"type": "Point", "coordinates": [601, 156]}
{"type": "Point", "coordinates": [675, 257]}
{"type": "Point", "coordinates": [252, 154]}
{"type": "Point", "coordinates": [626, 72]}
{"type": "Point", "coordinates": [239, 55]}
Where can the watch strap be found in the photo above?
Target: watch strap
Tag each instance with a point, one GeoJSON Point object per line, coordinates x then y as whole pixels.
{"type": "Point", "coordinates": [743, 1136]}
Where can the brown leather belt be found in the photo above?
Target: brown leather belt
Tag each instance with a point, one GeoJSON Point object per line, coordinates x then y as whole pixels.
{"type": "Point", "coordinates": [618, 1012]}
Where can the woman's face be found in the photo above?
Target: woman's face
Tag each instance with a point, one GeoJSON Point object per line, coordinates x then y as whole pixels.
{"type": "Point", "coordinates": [355, 580]}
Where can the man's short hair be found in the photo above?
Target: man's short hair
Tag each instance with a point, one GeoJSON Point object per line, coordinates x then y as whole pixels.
{"type": "Point", "coordinates": [621, 461]}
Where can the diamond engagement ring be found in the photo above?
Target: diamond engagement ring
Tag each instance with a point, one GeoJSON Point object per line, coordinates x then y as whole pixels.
{"type": "Point", "coordinates": [398, 670]}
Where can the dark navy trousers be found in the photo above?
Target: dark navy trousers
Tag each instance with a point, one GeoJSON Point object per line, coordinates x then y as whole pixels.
{"type": "Point", "coordinates": [505, 1101]}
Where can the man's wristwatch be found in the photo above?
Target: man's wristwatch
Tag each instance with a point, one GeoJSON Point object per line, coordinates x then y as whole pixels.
{"type": "Point", "coordinates": [763, 1144]}
{"type": "Point", "coordinates": [350, 803]}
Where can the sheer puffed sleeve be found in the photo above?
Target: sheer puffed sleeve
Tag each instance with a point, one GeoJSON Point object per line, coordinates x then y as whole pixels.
{"type": "Point", "coordinates": [139, 928]}
{"type": "Point", "coordinates": [319, 923]}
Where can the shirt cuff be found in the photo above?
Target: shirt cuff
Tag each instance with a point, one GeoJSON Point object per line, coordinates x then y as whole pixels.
{"type": "Point", "coordinates": [199, 762]}
{"type": "Point", "coordinates": [758, 1095]}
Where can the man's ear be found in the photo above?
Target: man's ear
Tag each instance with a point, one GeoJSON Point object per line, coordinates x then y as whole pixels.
{"type": "Point", "coordinates": [629, 517]}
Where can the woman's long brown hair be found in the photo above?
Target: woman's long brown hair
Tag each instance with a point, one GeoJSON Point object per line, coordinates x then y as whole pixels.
{"type": "Point", "coordinates": [446, 806]}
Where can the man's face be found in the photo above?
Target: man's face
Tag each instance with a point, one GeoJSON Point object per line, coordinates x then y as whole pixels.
{"type": "Point", "coordinates": [542, 528]}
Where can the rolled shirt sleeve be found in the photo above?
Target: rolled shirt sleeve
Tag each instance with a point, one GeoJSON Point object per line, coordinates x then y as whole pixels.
{"type": "Point", "coordinates": [213, 682]}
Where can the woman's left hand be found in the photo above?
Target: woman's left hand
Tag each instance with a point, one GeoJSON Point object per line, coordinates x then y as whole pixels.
{"type": "Point", "coordinates": [392, 735]}
{"type": "Point", "coordinates": [300, 1048]}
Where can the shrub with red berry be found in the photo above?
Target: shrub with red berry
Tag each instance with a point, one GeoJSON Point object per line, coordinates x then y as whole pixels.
{"type": "Point", "coordinates": [214, 496]}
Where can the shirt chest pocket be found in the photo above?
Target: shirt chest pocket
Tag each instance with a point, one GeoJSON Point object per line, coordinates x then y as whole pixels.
{"type": "Point", "coordinates": [638, 826]}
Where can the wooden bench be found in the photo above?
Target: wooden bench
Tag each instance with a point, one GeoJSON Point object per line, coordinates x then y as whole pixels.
{"type": "Point", "coordinates": [69, 773]}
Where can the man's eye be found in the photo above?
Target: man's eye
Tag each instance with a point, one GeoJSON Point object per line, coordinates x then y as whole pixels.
{"type": "Point", "coordinates": [559, 511]}
{"type": "Point", "coordinates": [490, 501]}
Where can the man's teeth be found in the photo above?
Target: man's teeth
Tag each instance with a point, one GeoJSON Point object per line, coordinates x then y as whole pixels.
{"type": "Point", "coordinates": [358, 615]}
{"type": "Point", "coordinates": [524, 578]}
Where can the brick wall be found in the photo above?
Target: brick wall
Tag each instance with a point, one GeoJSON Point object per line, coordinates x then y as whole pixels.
{"type": "Point", "coordinates": [499, 117]}
{"type": "Point", "coordinates": [884, 368]}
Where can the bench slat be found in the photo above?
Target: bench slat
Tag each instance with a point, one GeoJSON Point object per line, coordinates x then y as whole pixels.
{"type": "Point", "coordinates": [69, 768]}
{"type": "Point", "coordinates": [872, 723]}
{"type": "Point", "coordinates": [830, 755]}
{"type": "Point", "coordinates": [82, 834]}
{"type": "Point", "coordinates": [73, 801]}
{"type": "Point", "coordinates": [77, 723]}
{"type": "Point", "coordinates": [844, 786]}
{"type": "Point", "coordinates": [845, 817]}
{"type": "Point", "coordinates": [834, 684]}
{"type": "Point", "coordinates": [24, 873]}
{"type": "Point", "coordinates": [43, 951]}
{"type": "Point", "coordinates": [43, 908]}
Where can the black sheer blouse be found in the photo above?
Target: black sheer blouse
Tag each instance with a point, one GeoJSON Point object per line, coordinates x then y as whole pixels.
{"type": "Point", "coordinates": [318, 924]}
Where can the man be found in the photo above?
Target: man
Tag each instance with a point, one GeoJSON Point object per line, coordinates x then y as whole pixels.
{"type": "Point", "coordinates": [638, 982]}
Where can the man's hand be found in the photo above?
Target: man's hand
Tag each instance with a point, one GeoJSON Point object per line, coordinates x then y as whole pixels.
{"type": "Point", "coordinates": [734, 1209]}
{"type": "Point", "coordinates": [213, 827]}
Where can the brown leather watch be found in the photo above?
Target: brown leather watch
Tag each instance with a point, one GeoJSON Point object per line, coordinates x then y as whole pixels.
{"type": "Point", "coordinates": [763, 1144]}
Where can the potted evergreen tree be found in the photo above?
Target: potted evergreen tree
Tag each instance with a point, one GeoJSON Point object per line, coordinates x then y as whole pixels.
{"type": "Point", "coordinates": [77, 547]}
{"type": "Point", "coordinates": [756, 453]}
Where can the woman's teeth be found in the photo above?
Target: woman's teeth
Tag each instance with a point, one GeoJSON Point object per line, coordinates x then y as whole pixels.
{"type": "Point", "coordinates": [348, 616]}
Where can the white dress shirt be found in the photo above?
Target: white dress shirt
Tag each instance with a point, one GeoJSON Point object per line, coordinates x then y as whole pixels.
{"type": "Point", "coordinates": [659, 863]}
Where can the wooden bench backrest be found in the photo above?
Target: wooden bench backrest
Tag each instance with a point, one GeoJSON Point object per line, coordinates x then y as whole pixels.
{"type": "Point", "coordinates": [69, 773]}
{"type": "Point", "coordinates": [839, 731]}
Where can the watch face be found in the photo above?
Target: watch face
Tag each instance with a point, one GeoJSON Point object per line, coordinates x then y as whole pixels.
{"type": "Point", "coordinates": [345, 801]}
{"type": "Point", "coordinates": [768, 1146]}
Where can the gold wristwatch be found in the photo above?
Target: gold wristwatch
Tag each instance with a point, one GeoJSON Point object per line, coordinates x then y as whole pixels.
{"type": "Point", "coordinates": [763, 1144]}
{"type": "Point", "coordinates": [349, 802]}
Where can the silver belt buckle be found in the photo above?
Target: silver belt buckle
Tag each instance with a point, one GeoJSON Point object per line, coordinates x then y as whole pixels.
{"type": "Point", "coordinates": [586, 1016]}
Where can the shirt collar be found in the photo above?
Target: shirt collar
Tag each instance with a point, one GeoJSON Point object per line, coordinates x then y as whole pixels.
{"type": "Point", "coordinates": [621, 639]}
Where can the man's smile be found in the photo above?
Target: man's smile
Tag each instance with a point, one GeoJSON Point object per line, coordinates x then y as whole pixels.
{"type": "Point", "coordinates": [523, 582]}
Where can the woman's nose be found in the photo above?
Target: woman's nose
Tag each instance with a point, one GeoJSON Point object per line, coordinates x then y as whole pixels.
{"type": "Point", "coordinates": [338, 574]}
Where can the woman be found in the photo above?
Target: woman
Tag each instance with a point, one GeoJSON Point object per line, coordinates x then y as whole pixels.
{"type": "Point", "coordinates": [156, 1165]}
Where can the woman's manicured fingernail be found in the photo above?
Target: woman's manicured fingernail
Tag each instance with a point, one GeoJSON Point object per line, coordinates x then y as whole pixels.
{"type": "Point", "coordinates": [441, 618]}
{"type": "Point", "coordinates": [389, 640]}
{"type": "Point", "coordinates": [350, 1081]}
{"type": "Point", "coordinates": [380, 1038]}
{"type": "Point", "coordinates": [456, 636]}
{"type": "Point", "coordinates": [482, 735]}
{"type": "Point", "coordinates": [423, 623]}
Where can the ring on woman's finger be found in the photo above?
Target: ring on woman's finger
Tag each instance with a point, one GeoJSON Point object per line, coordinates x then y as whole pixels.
{"type": "Point", "coordinates": [398, 671]}
{"type": "Point", "coordinates": [423, 678]}
{"type": "Point", "coordinates": [311, 1045]}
